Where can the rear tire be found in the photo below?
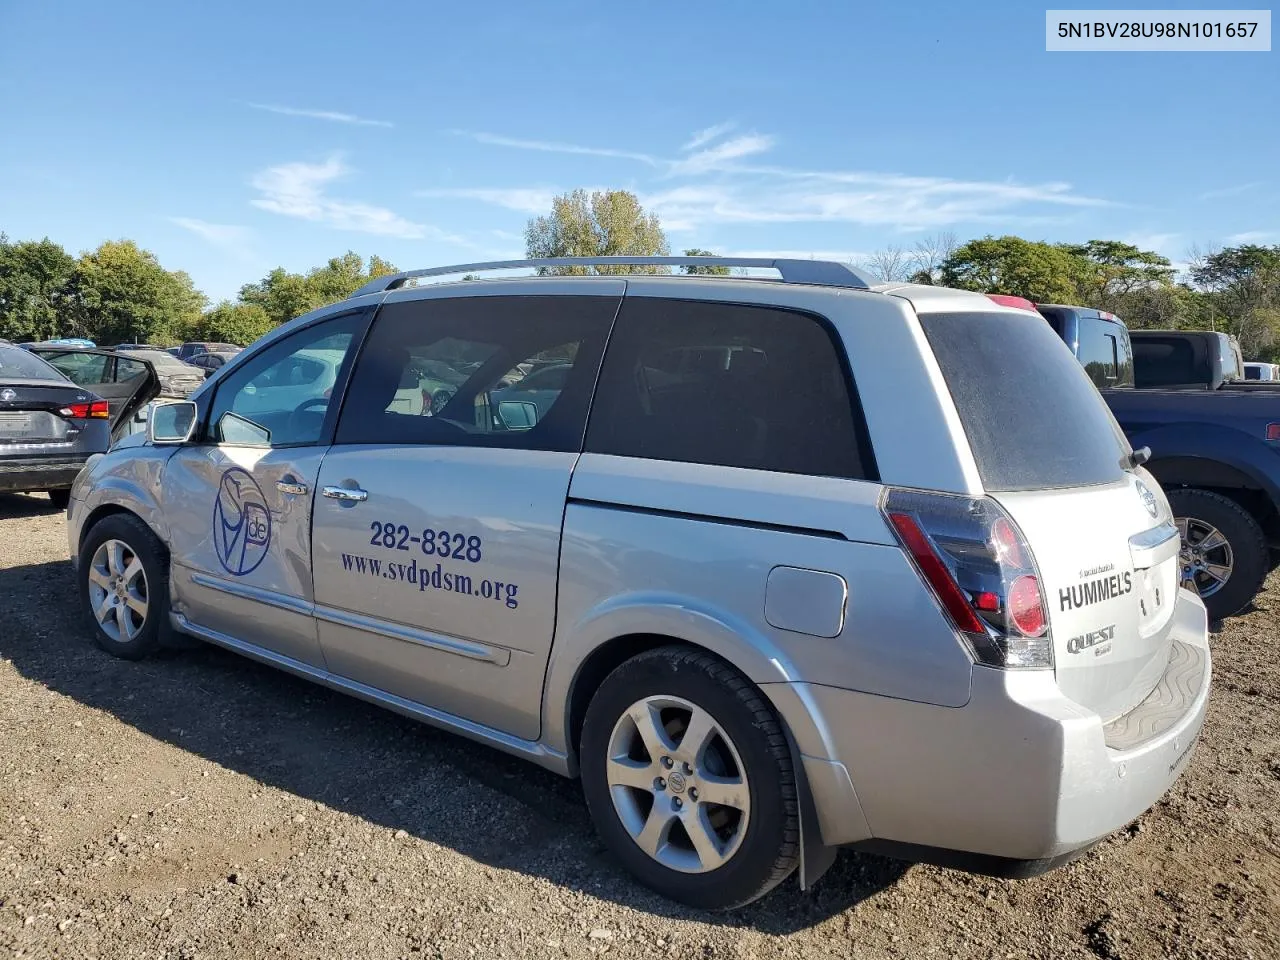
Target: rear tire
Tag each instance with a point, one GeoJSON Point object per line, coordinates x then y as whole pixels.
{"type": "Point", "coordinates": [1246, 552]}
{"type": "Point", "coordinates": [123, 576]}
{"type": "Point", "coordinates": [59, 498]}
{"type": "Point", "coordinates": [707, 854]}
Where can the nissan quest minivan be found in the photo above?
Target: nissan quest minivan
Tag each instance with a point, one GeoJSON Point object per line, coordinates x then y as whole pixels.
{"type": "Point", "coordinates": [775, 566]}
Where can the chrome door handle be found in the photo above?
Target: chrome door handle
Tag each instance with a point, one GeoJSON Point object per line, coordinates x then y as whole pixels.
{"type": "Point", "coordinates": [346, 494]}
{"type": "Point", "coordinates": [291, 487]}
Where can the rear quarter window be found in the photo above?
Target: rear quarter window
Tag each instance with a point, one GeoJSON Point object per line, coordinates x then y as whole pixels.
{"type": "Point", "coordinates": [1032, 417]}
{"type": "Point", "coordinates": [730, 385]}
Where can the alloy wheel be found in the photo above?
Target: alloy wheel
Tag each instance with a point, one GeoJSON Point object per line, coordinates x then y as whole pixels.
{"type": "Point", "coordinates": [118, 590]}
{"type": "Point", "coordinates": [678, 784]}
{"type": "Point", "coordinates": [1206, 559]}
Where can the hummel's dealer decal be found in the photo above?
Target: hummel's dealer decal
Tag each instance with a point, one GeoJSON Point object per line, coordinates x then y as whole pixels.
{"type": "Point", "coordinates": [1096, 590]}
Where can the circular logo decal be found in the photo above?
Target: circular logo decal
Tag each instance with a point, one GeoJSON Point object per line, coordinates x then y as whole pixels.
{"type": "Point", "coordinates": [241, 523]}
{"type": "Point", "coordinates": [7, 394]}
{"type": "Point", "coordinates": [1148, 499]}
{"type": "Point", "coordinates": [675, 780]}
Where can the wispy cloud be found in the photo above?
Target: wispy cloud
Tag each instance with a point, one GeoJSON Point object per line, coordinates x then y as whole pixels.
{"type": "Point", "coordinates": [1159, 242]}
{"type": "Point", "coordinates": [549, 146]}
{"type": "Point", "coordinates": [521, 199]}
{"type": "Point", "coordinates": [299, 190]}
{"type": "Point", "coordinates": [706, 135]}
{"type": "Point", "coordinates": [904, 203]}
{"type": "Point", "coordinates": [330, 115]}
{"type": "Point", "coordinates": [1234, 191]}
{"type": "Point", "coordinates": [226, 235]}
{"type": "Point", "coordinates": [716, 158]}
{"type": "Point", "coordinates": [1250, 236]}
{"type": "Point", "coordinates": [744, 190]}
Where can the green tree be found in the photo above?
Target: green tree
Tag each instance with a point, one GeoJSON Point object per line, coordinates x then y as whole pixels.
{"type": "Point", "coordinates": [284, 295]}
{"type": "Point", "coordinates": [602, 224]}
{"type": "Point", "coordinates": [716, 271]}
{"type": "Point", "coordinates": [1242, 287]}
{"type": "Point", "coordinates": [34, 276]}
{"type": "Point", "coordinates": [1041, 272]}
{"type": "Point", "coordinates": [281, 295]}
{"type": "Point", "coordinates": [1110, 272]}
{"type": "Point", "coordinates": [122, 294]}
{"type": "Point", "coordinates": [238, 323]}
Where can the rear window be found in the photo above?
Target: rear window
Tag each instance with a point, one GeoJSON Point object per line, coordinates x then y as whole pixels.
{"type": "Point", "coordinates": [1032, 417]}
{"type": "Point", "coordinates": [1162, 362]}
{"type": "Point", "coordinates": [18, 364]}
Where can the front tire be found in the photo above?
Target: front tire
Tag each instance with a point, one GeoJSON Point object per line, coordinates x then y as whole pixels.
{"type": "Point", "coordinates": [689, 779]}
{"type": "Point", "coordinates": [123, 574]}
{"type": "Point", "coordinates": [1224, 552]}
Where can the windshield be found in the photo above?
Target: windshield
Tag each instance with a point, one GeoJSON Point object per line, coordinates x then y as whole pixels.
{"type": "Point", "coordinates": [19, 364]}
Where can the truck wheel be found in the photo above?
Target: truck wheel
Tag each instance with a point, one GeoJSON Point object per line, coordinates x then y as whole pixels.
{"type": "Point", "coordinates": [689, 779]}
{"type": "Point", "coordinates": [123, 574]}
{"type": "Point", "coordinates": [59, 498]}
{"type": "Point", "coordinates": [1224, 553]}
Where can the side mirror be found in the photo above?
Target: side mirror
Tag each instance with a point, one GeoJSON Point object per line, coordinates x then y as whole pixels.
{"type": "Point", "coordinates": [518, 414]}
{"type": "Point", "coordinates": [171, 421]}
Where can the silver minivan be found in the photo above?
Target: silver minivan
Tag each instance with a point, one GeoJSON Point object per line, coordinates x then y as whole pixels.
{"type": "Point", "coordinates": [775, 566]}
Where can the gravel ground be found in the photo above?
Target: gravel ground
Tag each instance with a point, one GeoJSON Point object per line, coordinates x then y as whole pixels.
{"type": "Point", "coordinates": [199, 805]}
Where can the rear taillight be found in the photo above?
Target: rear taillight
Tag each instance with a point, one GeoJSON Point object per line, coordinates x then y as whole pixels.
{"type": "Point", "coordinates": [981, 570]}
{"type": "Point", "coordinates": [1273, 431]}
{"type": "Point", "coordinates": [87, 411]}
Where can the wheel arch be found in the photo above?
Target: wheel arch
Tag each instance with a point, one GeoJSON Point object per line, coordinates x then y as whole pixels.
{"type": "Point", "coordinates": [1235, 484]}
{"type": "Point", "coordinates": [101, 512]}
{"type": "Point", "coordinates": [815, 857]}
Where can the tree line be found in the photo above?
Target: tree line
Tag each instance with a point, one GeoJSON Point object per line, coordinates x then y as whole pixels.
{"type": "Point", "coordinates": [119, 292]}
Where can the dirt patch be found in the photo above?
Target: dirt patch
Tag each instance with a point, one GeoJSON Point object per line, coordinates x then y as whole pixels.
{"type": "Point", "coordinates": [199, 805]}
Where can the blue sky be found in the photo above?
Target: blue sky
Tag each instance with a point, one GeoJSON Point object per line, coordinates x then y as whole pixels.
{"type": "Point", "coordinates": [230, 138]}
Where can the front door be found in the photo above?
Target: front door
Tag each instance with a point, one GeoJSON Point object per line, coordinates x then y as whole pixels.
{"type": "Point", "coordinates": [437, 528]}
{"type": "Point", "coordinates": [238, 500]}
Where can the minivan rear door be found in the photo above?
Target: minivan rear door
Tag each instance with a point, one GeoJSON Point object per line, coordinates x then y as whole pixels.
{"type": "Point", "coordinates": [1048, 450]}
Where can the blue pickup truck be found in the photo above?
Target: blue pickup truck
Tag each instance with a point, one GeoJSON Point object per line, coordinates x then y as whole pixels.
{"type": "Point", "coordinates": [1214, 441]}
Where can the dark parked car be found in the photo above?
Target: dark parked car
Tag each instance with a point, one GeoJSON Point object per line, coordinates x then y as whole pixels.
{"type": "Point", "coordinates": [49, 426]}
{"type": "Point", "coordinates": [193, 347]}
{"type": "Point", "coordinates": [176, 379]}
{"type": "Point", "coordinates": [213, 361]}
{"type": "Point", "coordinates": [1214, 442]}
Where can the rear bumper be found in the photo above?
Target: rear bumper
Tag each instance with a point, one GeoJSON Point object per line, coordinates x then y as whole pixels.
{"type": "Point", "coordinates": [1017, 781]}
{"type": "Point", "coordinates": [40, 473]}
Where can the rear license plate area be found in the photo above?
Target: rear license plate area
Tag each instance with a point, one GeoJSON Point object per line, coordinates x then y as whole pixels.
{"type": "Point", "coordinates": [1156, 588]}
{"type": "Point", "coordinates": [15, 426]}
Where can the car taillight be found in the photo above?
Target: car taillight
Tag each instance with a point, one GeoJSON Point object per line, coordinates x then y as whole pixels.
{"type": "Point", "coordinates": [87, 411]}
{"type": "Point", "coordinates": [1273, 431]}
{"type": "Point", "coordinates": [980, 568]}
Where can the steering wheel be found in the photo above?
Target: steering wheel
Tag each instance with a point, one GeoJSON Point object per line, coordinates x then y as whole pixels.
{"type": "Point", "coordinates": [296, 423]}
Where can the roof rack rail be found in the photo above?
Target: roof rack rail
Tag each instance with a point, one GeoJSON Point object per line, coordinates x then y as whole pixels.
{"type": "Point", "coordinates": [819, 272]}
